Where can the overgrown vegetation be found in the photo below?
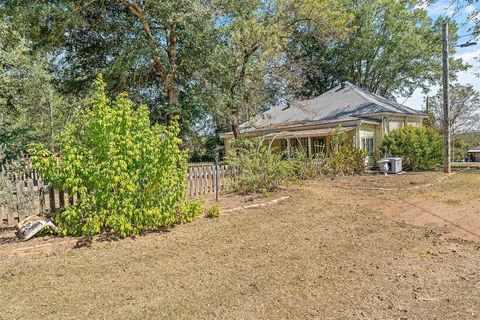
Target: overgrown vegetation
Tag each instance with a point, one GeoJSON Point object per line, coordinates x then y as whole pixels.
{"type": "Point", "coordinates": [215, 64]}
{"type": "Point", "coordinates": [130, 176]}
{"type": "Point", "coordinates": [189, 210]}
{"type": "Point", "coordinates": [343, 159]}
{"type": "Point", "coordinates": [213, 211]}
{"type": "Point", "coordinates": [262, 170]}
{"type": "Point", "coordinates": [421, 148]}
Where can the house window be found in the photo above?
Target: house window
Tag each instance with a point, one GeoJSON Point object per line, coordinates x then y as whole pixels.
{"type": "Point", "coordinates": [318, 145]}
{"type": "Point", "coordinates": [299, 144]}
{"type": "Point", "coordinates": [367, 145]}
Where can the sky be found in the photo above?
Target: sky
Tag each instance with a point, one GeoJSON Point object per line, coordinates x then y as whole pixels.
{"type": "Point", "coordinates": [442, 8]}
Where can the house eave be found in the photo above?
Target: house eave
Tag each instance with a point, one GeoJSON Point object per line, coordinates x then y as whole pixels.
{"type": "Point", "coordinates": [297, 127]}
{"type": "Point", "coordinates": [401, 114]}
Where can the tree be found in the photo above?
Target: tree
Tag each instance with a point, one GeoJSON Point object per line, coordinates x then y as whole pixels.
{"type": "Point", "coordinates": [464, 108]}
{"type": "Point", "coordinates": [250, 56]}
{"type": "Point", "coordinates": [152, 49]}
{"type": "Point", "coordinates": [30, 107]}
{"type": "Point", "coordinates": [394, 49]}
{"type": "Point", "coordinates": [197, 59]}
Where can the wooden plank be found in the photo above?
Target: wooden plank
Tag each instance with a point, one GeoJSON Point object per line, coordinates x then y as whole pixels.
{"type": "Point", "coordinates": [10, 217]}
{"type": "Point", "coordinates": [3, 218]}
{"type": "Point", "coordinates": [190, 190]}
{"type": "Point", "coordinates": [51, 198]}
{"type": "Point", "coordinates": [195, 175]}
{"type": "Point", "coordinates": [61, 198]}
{"type": "Point", "coordinates": [41, 198]}
{"type": "Point", "coordinates": [205, 179]}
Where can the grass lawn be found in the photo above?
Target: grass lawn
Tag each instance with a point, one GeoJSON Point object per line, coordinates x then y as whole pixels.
{"type": "Point", "coordinates": [373, 247]}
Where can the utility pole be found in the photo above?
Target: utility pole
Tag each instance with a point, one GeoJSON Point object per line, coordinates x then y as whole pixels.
{"type": "Point", "coordinates": [446, 103]}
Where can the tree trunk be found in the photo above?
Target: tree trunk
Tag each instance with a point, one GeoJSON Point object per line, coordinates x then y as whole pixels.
{"type": "Point", "coordinates": [167, 74]}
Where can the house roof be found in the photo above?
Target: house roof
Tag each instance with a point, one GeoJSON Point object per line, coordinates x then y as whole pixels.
{"type": "Point", "coordinates": [345, 102]}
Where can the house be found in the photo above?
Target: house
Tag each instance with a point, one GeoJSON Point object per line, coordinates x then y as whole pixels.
{"type": "Point", "coordinates": [306, 124]}
{"type": "Point", "coordinates": [474, 154]}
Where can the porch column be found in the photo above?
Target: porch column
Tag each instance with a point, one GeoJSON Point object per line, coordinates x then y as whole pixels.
{"type": "Point", "coordinates": [309, 146]}
{"type": "Point", "coordinates": [289, 148]}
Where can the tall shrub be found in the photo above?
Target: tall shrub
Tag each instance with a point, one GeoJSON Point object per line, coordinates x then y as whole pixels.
{"type": "Point", "coordinates": [342, 158]}
{"type": "Point", "coordinates": [130, 176]}
{"type": "Point", "coordinates": [260, 169]}
{"type": "Point", "coordinates": [420, 147]}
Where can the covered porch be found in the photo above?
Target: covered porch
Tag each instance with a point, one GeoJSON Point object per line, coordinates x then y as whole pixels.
{"type": "Point", "coordinates": [312, 142]}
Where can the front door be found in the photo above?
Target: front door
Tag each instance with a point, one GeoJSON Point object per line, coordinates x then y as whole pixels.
{"type": "Point", "coordinates": [368, 145]}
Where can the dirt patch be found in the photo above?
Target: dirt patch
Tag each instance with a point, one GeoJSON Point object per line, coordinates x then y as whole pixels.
{"type": "Point", "coordinates": [325, 253]}
{"type": "Point", "coordinates": [11, 246]}
{"type": "Point", "coordinates": [450, 207]}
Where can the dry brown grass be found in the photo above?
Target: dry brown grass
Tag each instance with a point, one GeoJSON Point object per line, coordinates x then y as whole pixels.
{"type": "Point", "coordinates": [326, 253]}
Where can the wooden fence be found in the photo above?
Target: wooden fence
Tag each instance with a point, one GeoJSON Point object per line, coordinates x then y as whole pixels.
{"type": "Point", "coordinates": [203, 179]}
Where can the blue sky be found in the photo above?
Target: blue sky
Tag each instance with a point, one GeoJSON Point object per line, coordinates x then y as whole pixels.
{"type": "Point", "coordinates": [442, 8]}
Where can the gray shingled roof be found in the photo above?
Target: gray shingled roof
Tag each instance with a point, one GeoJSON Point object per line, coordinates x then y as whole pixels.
{"type": "Point", "coordinates": [342, 103]}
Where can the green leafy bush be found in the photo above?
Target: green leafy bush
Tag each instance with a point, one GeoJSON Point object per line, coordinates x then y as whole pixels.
{"type": "Point", "coordinates": [305, 166]}
{"type": "Point", "coordinates": [260, 169]}
{"type": "Point", "coordinates": [213, 211]}
{"type": "Point", "coordinates": [421, 148]}
{"type": "Point", "coordinates": [131, 177]}
{"type": "Point", "coordinates": [188, 211]}
{"type": "Point", "coordinates": [342, 158]}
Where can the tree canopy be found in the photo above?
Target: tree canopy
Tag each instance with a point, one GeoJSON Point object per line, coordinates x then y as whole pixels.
{"type": "Point", "coordinates": [464, 109]}
{"type": "Point", "coordinates": [214, 63]}
{"type": "Point", "coordinates": [394, 48]}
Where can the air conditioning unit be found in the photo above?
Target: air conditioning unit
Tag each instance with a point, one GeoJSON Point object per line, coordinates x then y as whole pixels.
{"type": "Point", "coordinates": [394, 164]}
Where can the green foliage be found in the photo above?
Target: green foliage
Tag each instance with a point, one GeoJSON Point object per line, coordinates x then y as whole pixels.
{"type": "Point", "coordinates": [213, 211]}
{"type": "Point", "coordinates": [251, 54]}
{"type": "Point", "coordinates": [260, 169]}
{"type": "Point", "coordinates": [131, 177]}
{"type": "Point", "coordinates": [342, 158]}
{"type": "Point", "coordinates": [421, 148]}
{"type": "Point", "coordinates": [459, 148]}
{"type": "Point", "coordinates": [30, 107]}
{"type": "Point", "coordinates": [305, 166]}
{"type": "Point", "coordinates": [394, 48]}
{"type": "Point", "coordinates": [188, 211]}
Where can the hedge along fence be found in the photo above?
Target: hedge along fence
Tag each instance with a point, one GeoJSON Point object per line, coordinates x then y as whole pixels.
{"type": "Point", "coordinates": [203, 179]}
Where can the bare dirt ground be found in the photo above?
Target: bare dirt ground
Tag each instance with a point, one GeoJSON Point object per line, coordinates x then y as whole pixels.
{"type": "Point", "coordinates": [348, 248]}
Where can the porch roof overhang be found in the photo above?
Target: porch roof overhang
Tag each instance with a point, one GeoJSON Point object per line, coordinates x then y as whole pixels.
{"type": "Point", "coordinates": [304, 133]}
{"type": "Point", "coordinates": [300, 126]}
{"type": "Point", "coordinates": [474, 151]}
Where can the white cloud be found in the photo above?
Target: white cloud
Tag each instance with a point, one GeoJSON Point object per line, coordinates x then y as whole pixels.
{"type": "Point", "coordinates": [470, 56]}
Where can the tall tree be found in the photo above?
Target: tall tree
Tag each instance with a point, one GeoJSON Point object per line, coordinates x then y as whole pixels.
{"type": "Point", "coordinates": [394, 49]}
{"type": "Point", "coordinates": [464, 109]}
{"type": "Point", "coordinates": [30, 107]}
{"type": "Point", "coordinates": [152, 49]}
{"type": "Point", "coordinates": [249, 68]}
